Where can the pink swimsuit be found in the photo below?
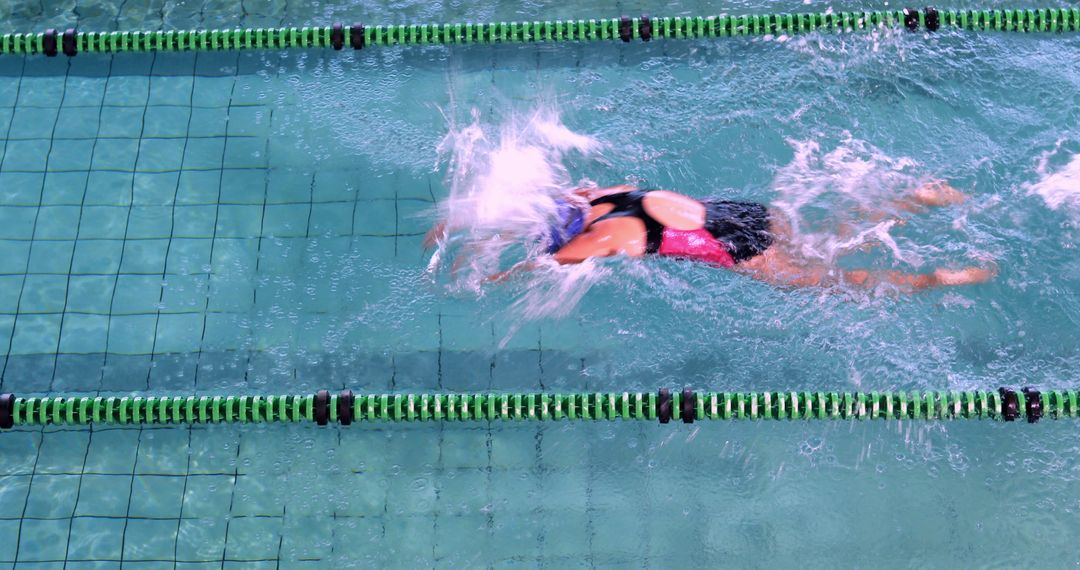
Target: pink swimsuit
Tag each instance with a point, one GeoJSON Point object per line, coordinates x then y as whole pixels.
{"type": "Point", "coordinates": [698, 245]}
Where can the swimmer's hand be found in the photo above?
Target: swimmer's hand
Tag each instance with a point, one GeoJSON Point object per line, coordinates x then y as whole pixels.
{"type": "Point", "coordinates": [436, 234]}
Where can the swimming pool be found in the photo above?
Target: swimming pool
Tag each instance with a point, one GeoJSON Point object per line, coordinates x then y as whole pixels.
{"type": "Point", "coordinates": [219, 222]}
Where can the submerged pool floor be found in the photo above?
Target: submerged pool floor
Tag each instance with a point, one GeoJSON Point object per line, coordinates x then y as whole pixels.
{"type": "Point", "coordinates": [217, 223]}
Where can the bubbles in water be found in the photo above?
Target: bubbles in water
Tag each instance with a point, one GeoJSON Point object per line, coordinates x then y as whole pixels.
{"type": "Point", "coordinates": [1058, 186]}
{"type": "Point", "coordinates": [823, 191]}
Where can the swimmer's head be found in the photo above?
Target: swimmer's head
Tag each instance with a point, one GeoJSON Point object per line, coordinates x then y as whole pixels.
{"type": "Point", "coordinates": [569, 222]}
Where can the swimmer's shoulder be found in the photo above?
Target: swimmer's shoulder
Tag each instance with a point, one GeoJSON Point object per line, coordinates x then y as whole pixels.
{"type": "Point", "coordinates": [591, 194]}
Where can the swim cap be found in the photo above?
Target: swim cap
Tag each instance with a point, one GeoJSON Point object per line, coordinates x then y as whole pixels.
{"type": "Point", "coordinates": [571, 222]}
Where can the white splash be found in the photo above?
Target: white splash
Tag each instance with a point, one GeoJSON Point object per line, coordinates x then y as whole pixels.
{"type": "Point", "coordinates": [1061, 187]}
{"type": "Point", "coordinates": [504, 182]}
{"type": "Point", "coordinates": [850, 187]}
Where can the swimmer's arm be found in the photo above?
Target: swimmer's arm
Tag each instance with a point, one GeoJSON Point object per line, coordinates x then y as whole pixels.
{"type": "Point", "coordinates": [591, 194]}
{"type": "Point", "coordinates": [437, 233]}
{"type": "Point", "coordinates": [593, 243]}
{"type": "Point", "coordinates": [587, 245]}
{"type": "Point", "coordinates": [519, 267]}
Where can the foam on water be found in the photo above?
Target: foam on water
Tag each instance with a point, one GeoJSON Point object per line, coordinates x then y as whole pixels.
{"type": "Point", "coordinates": [505, 180]}
{"type": "Point", "coordinates": [822, 191]}
{"type": "Point", "coordinates": [1058, 186]}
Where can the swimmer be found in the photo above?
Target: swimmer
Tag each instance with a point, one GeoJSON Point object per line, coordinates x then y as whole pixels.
{"type": "Point", "coordinates": [745, 237]}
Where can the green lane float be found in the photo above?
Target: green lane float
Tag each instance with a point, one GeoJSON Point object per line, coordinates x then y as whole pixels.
{"type": "Point", "coordinates": [70, 42]}
{"type": "Point", "coordinates": [346, 408]}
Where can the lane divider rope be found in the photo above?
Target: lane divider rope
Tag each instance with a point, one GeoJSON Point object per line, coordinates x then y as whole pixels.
{"type": "Point", "coordinates": [688, 406]}
{"type": "Point", "coordinates": [71, 41]}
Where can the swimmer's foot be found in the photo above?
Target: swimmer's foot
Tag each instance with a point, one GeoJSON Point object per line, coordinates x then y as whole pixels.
{"type": "Point", "coordinates": [966, 276]}
{"type": "Point", "coordinates": [937, 194]}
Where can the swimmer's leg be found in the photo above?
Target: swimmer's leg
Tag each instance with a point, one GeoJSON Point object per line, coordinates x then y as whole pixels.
{"type": "Point", "coordinates": [776, 265]}
{"type": "Point", "coordinates": [936, 194]}
{"type": "Point", "coordinates": [783, 270]}
{"type": "Point", "coordinates": [911, 282]}
{"type": "Point", "coordinates": [933, 194]}
{"type": "Point", "coordinates": [779, 267]}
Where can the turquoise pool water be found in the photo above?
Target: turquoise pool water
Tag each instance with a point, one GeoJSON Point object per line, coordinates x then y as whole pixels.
{"type": "Point", "coordinates": [215, 223]}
